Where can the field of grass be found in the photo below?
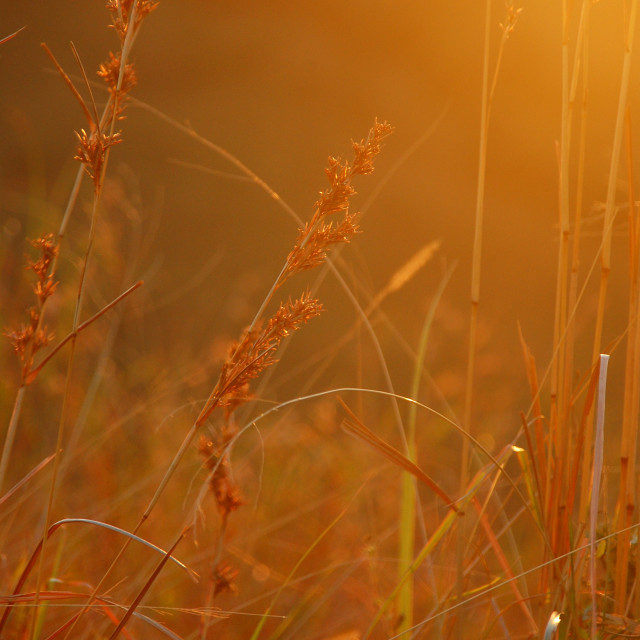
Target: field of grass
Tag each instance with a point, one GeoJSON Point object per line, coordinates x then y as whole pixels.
{"type": "Point", "coordinates": [276, 367]}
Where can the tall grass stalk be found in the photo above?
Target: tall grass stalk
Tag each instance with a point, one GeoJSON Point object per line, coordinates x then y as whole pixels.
{"type": "Point", "coordinates": [93, 153]}
{"type": "Point", "coordinates": [559, 439]}
{"type": "Point", "coordinates": [268, 189]}
{"type": "Point", "coordinates": [627, 499]}
{"type": "Point", "coordinates": [575, 262]}
{"type": "Point", "coordinates": [632, 369]}
{"type": "Point", "coordinates": [557, 504]}
{"type": "Point", "coordinates": [408, 496]}
{"type": "Point", "coordinates": [488, 91]}
{"type": "Point", "coordinates": [25, 377]}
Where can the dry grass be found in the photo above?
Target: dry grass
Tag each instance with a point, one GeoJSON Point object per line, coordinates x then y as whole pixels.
{"type": "Point", "coordinates": [144, 496]}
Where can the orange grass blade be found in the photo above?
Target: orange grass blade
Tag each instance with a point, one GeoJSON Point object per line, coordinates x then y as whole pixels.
{"type": "Point", "coordinates": [356, 428]}
{"type": "Point", "coordinates": [529, 474]}
{"type": "Point", "coordinates": [69, 83]}
{"type": "Point", "coordinates": [579, 462]}
{"type": "Point", "coordinates": [12, 35]}
{"type": "Point", "coordinates": [147, 585]}
{"type": "Point", "coordinates": [67, 625]}
{"type": "Point", "coordinates": [540, 453]}
{"type": "Point", "coordinates": [19, 598]}
{"type": "Point", "coordinates": [41, 465]}
{"type": "Point", "coordinates": [504, 563]}
{"type": "Point", "coordinates": [35, 371]}
{"type": "Point", "coordinates": [76, 55]}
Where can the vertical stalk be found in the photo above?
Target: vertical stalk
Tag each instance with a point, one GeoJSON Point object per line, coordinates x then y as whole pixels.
{"type": "Point", "coordinates": [559, 434]}
{"type": "Point", "coordinates": [626, 497]}
{"type": "Point", "coordinates": [485, 115]}
{"type": "Point", "coordinates": [631, 375]}
{"type": "Point", "coordinates": [575, 263]}
{"type": "Point", "coordinates": [408, 500]}
{"type": "Point", "coordinates": [475, 295]}
{"type": "Point", "coordinates": [632, 364]}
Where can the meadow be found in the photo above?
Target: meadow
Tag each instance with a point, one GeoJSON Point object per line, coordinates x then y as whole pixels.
{"type": "Point", "coordinates": [319, 322]}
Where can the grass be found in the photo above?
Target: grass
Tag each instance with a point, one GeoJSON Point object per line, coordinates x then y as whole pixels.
{"type": "Point", "coordinates": [283, 485]}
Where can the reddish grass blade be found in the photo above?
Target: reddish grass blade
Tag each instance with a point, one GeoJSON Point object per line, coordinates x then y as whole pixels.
{"type": "Point", "coordinates": [36, 370]}
{"type": "Point", "coordinates": [355, 427]}
{"type": "Point", "coordinates": [147, 586]}
{"type": "Point", "coordinates": [69, 83]}
{"type": "Point", "coordinates": [13, 35]}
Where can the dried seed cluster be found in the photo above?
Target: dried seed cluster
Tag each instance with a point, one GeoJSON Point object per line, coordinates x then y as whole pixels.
{"type": "Point", "coordinates": [255, 351]}
{"type": "Point", "coordinates": [93, 145]}
{"type": "Point", "coordinates": [32, 336]}
{"type": "Point", "coordinates": [120, 11]}
{"type": "Point", "coordinates": [318, 235]}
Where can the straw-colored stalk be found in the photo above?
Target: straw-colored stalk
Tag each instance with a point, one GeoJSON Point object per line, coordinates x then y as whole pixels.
{"type": "Point", "coordinates": [628, 446]}
{"type": "Point", "coordinates": [632, 377]}
{"type": "Point", "coordinates": [409, 494]}
{"type": "Point", "coordinates": [559, 435]}
{"type": "Point", "coordinates": [475, 295]}
{"type": "Point", "coordinates": [566, 443]}
{"type": "Point", "coordinates": [626, 497]}
{"type": "Point", "coordinates": [485, 115]}
{"type": "Point", "coordinates": [575, 262]}
{"type": "Point", "coordinates": [568, 314]}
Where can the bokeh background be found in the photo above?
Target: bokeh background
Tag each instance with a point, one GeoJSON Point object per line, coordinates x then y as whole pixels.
{"type": "Point", "coordinates": [281, 86]}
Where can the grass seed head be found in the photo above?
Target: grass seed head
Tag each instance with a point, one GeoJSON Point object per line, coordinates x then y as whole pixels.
{"type": "Point", "coordinates": [109, 71]}
{"type": "Point", "coordinates": [121, 10]}
{"type": "Point", "coordinates": [225, 491]}
{"type": "Point", "coordinates": [92, 149]}
{"type": "Point", "coordinates": [32, 336]}
{"type": "Point", "coordinates": [256, 349]}
{"type": "Point", "coordinates": [317, 237]}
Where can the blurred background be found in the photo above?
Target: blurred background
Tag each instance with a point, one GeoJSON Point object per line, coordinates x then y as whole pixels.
{"type": "Point", "coordinates": [281, 86]}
